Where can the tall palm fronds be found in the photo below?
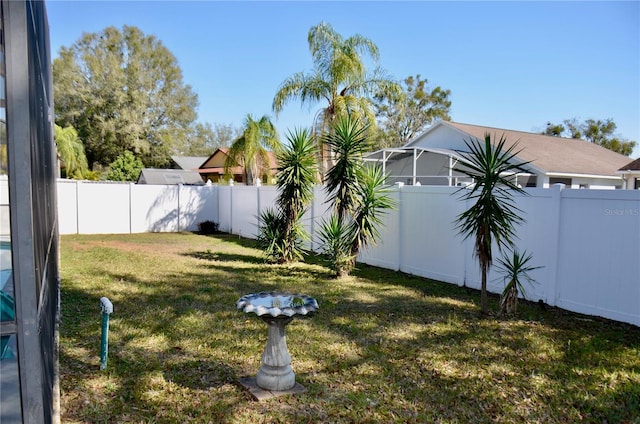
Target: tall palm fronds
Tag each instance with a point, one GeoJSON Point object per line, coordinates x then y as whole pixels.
{"type": "Point", "coordinates": [281, 232]}
{"type": "Point", "coordinates": [358, 195]}
{"type": "Point", "coordinates": [71, 152]}
{"type": "Point", "coordinates": [250, 149]}
{"type": "Point", "coordinates": [340, 78]}
{"type": "Point", "coordinates": [494, 214]}
{"type": "Point", "coordinates": [374, 200]}
{"type": "Point", "coordinates": [348, 141]}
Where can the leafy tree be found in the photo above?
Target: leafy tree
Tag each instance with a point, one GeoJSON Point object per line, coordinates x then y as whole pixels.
{"type": "Point", "coordinates": [493, 215]}
{"type": "Point", "coordinates": [402, 118]}
{"type": "Point", "coordinates": [122, 90]}
{"type": "Point", "coordinates": [126, 167]}
{"type": "Point", "coordinates": [555, 130]}
{"type": "Point", "coordinates": [358, 194]}
{"type": "Point", "coordinates": [594, 130]}
{"type": "Point", "coordinates": [203, 139]}
{"type": "Point", "coordinates": [71, 153]}
{"type": "Point", "coordinates": [281, 233]}
{"type": "Point", "coordinates": [339, 78]}
{"type": "Point", "coordinates": [250, 149]}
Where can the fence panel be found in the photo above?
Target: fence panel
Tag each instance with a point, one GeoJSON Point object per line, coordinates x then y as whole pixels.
{"type": "Point", "coordinates": [225, 216]}
{"type": "Point", "coordinates": [197, 204]}
{"type": "Point", "coordinates": [103, 208]}
{"type": "Point", "coordinates": [67, 207]}
{"type": "Point", "coordinates": [244, 206]}
{"type": "Point", "coordinates": [386, 253]}
{"type": "Point", "coordinates": [154, 208]}
{"type": "Point", "coordinates": [599, 247]}
{"type": "Point", "coordinates": [429, 246]}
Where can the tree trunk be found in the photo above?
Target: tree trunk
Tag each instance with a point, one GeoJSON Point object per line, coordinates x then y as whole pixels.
{"type": "Point", "coordinates": [483, 292]}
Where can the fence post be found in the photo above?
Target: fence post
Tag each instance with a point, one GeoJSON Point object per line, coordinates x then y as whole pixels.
{"type": "Point", "coordinates": [130, 208]}
{"type": "Point", "coordinates": [107, 309]}
{"type": "Point", "coordinates": [77, 207]}
{"type": "Point", "coordinates": [400, 241]}
{"type": "Point", "coordinates": [555, 228]}
{"type": "Point", "coordinates": [179, 188]}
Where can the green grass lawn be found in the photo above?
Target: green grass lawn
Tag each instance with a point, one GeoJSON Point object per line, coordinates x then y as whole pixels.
{"type": "Point", "coordinates": [384, 347]}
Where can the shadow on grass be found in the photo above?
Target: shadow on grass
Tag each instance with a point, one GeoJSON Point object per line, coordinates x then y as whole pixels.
{"type": "Point", "coordinates": [382, 340]}
{"type": "Point", "coordinates": [209, 255]}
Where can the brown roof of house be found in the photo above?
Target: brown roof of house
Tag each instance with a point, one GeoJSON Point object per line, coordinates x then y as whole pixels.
{"type": "Point", "coordinates": [215, 162]}
{"type": "Point", "coordinates": [554, 154]}
{"type": "Point", "coordinates": [632, 166]}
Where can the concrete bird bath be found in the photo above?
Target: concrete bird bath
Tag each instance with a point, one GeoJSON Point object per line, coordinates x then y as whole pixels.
{"type": "Point", "coordinates": [276, 309]}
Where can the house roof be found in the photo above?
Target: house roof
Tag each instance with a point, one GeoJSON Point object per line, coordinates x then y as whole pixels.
{"type": "Point", "coordinates": [189, 162]}
{"type": "Point", "coordinates": [547, 153]}
{"type": "Point", "coordinates": [169, 176]}
{"type": "Point", "coordinates": [631, 166]}
{"type": "Point", "coordinates": [215, 162]}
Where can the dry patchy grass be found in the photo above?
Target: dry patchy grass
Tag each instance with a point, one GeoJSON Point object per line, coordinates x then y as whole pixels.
{"type": "Point", "coordinates": [385, 347]}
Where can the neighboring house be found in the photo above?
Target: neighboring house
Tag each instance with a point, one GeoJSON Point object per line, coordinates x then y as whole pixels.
{"type": "Point", "coordinates": [434, 158]}
{"type": "Point", "coordinates": [630, 173]}
{"type": "Point", "coordinates": [169, 176]}
{"type": "Point", "coordinates": [213, 167]}
{"type": "Point", "coordinates": [190, 163]}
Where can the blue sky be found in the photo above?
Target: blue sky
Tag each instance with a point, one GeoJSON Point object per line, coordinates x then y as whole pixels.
{"type": "Point", "coordinates": [513, 65]}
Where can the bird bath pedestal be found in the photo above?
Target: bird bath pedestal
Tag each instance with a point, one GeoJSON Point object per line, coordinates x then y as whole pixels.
{"type": "Point", "coordinates": [276, 309]}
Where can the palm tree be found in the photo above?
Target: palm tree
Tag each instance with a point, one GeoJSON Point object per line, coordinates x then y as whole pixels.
{"type": "Point", "coordinates": [340, 78]}
{"type": "Point", "coordinates": [493, 215]}
{"type": "Point", "coordinates": [358, 195]}
{"type": "Point", "coordinates": [71, 152]}
{"type": "Point", "coordinates": [348, 141]}
{"type": "Point", "coordinates": [280, 233]}
{"type": "Point", "coordinates": [250, 149]}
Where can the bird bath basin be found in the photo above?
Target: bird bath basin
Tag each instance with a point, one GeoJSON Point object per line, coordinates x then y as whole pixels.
{"type": "Point", "coordinates": [276, 309]}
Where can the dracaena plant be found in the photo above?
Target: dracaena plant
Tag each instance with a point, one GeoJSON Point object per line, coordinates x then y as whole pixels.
{"type": "Point", "coordinates": [493, 214]}
{"type": "Point", "coordinates": [281, 233]}
{"type": "Point", "coordinates": [515, 268]}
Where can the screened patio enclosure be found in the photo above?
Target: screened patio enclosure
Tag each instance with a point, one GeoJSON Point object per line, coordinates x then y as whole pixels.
{"type": "Point", "coordinates": [429, 166]}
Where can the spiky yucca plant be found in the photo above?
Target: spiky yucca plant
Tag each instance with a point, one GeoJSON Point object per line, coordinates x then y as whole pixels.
{"type": "Point", "coordinates": [358, 195]}
{"type": "Point", "coordinates": [493, 215]}
{"type": "Point", "coordinates": [516, 270]}
{"type": "Point", "coordinates": [337, 239]}
{"type": "Point", "coordinates": [373, 201]}
{"type": "Point", "coordinates": [280, 232]}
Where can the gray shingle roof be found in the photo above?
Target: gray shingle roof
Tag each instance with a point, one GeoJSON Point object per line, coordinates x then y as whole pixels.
{"type": "Point", "coordinates": [554, 154]}
{"type": "Point", "coordinates": [169, 176]}
{"type": "Point", "coordinates": [632, 166]}
{"type": "Point", "coordinates": [189, 162]}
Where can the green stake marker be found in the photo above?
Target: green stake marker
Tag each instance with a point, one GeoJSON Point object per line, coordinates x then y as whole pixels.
{"type": "Point", "coordinates": [107, 309]}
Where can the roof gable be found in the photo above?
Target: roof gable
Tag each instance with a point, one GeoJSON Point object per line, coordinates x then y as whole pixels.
{"type": "Point", "coordinates": [188, 162]}
{"type": "Point", "coordinates": [633, 166]}
{"type": "Point", "coordinates": [218, 158]}
{"type": "Point", "coordinates": [547, 153]}
{"type": "Point", "coordinates": [169, 176]}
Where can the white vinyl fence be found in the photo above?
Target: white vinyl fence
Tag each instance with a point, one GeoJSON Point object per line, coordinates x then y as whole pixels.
{"type": "Point", "coordinates": [587, 241]}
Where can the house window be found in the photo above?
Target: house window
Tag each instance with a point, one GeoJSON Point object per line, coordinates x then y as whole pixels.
{"type": "Point", "coordinates": [637, 184]}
